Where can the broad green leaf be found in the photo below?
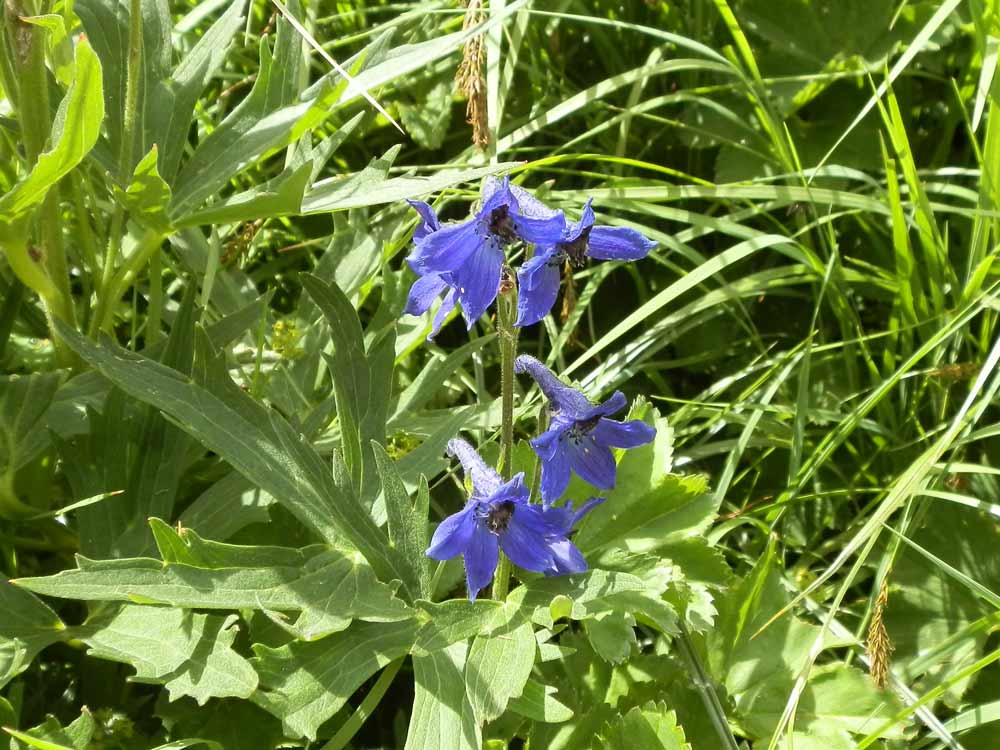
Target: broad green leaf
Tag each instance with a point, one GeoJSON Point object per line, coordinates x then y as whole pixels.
{"type": "Point", "coordinates": [184, 546]}
{"type": "Point", "coordinates": [190, 653]}
{"type": "Point", "coordinates": [304, 684]}
{"type": "Point", "coordinates": [649, 508]}
{"type": "Point", "coordinates": [74, 132]}
{"type": "Point", "coordinates": [442, 715]}
{"type": "Point", "coordinates": [370, 186]}
{"type": "Point", "coordinates": [456, 620]}
{"type": "Point", "coordinates": [584, 596]}
{"type": "Point", "coordinates": [932, 618]}
{"type": "Point", "coordinates": [227, 506]}
{"type": "Point", "coordinates": [408, 522]}
{"type": "Point", "coordinates": [427, 120]}
{"type": "Point", "coordinates": [24, 400]}
{"type": "Point", "coordinates": [223, 723]}
{"type": "Point", "coordinates": [537, 703]}
{"type": "Point", "coordinates": [612, 635]}
{"type": "Point", "coordinates": [281, 196]}
{"type": "Point", "coordinates": [147, 195]}
{"type": "Point", "coordinates": [254, 440]}
{"type": "Point", "coordinates": [27, 626]}
{"type": "Point", "coordinates": [329, 590]}
{"type": "Point", "coordinates": [760, 669]}
{"type": "Point", "coordinates": [651, 727]}
{"type": "Point", "coordinates": [497, 668]}
{"type": "Point", "coordinates": [51, 735]}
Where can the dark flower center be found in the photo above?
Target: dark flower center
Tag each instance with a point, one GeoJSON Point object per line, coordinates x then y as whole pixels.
{"type": "Point", "coordinates": [576, 250]}
{"type": "Point", "coordinates": [579, 430]}
{"type": "Point", "coordinates": [502, 224]}
{"type": "Point", "coordinates": [499, 516]}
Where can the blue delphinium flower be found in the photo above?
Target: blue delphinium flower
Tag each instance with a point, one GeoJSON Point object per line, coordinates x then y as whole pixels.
{"type": "Point", "coordinates": [498, 516]}
{"type": "Point", "coordinates": [431, 286]}
{"type": "Point", "coordinates": [566, 558]}
{"type": "Point", "coordinates": [539, 278]}
{"type": "Point", "coordinates": [469, 256]}
{"type": "Point", "coordinates": [580, 435]}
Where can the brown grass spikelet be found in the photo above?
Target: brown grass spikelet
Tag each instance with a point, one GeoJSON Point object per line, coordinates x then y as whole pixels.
{"type": "Point", "coordinates": [469, 77]}
{"type": "Point", "coordinates": [879, 644]}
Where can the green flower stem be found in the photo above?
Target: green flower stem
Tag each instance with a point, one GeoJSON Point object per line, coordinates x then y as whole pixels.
{"type": "Point", "coordinates": [42, 266]}
{"type": "Point", "coordinates": [115, 287]}
{"type": "Point", "coordinates": [507, 338]}
{"type": "Point", "coordinates": [134, 70]}
{"type": "Point", "coordinates": [350, 727]}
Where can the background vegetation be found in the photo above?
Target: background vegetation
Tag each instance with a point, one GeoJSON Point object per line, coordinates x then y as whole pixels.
{"type": "Point", "coordinates": [818, 327]}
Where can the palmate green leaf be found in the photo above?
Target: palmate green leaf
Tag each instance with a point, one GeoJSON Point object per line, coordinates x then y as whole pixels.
{"type": "Point", "coordinates": [190, 653]}
{"type": "Point", "coordinates": [329, 589]}
{"type": "Point", "coordinates": [51, 735]}
{"type": "Point", "coordinates": [457, 620]}
{"type": "Point", "coordinates": [584, 596]}
{"type": "Point", "coordinates": [27, 626]}
{"type": "Point", "coordinates": [304, 684]}
{"type": "Point", "coordinates": [651, 727]}
{"type": "Point", "coordinates": [255, 441]}
{"type": "Point", "coordinates": [759, 669]}
{"type": "Point", "coordinates": [931, 616]}
{"type": "Point", "coordinates": [612, 635]}
{"type": "Point", "coordinates": [497, 668]}
{"type": "Point", "coordinates": [74, 132]}
{"type": "Point", "coordinates": [442, 715]}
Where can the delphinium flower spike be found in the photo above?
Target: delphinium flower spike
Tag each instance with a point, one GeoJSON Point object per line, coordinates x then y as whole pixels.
{"type": "Point", "coordinates": [498, 516]}
{"type": "Point", "coordinates": [467, 258]}
{"type": "Point", "coordinates": [580, 435]}
{"type": "Point", "coordinates": [539, 277]}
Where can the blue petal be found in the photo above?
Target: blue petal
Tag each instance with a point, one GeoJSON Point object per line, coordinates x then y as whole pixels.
{"type": "Point", "coordinates": [496, 193]}
{"type": "Point", "coordinates": [613, 405]}
{"type": "Point", "coordinates": [453, 534]}
{"type": "Point", "coordinates": [540, 231]}
{"type": "Point", "coordinates": [564, 401]}
{"type": "Point", "coordinates": [566, 558]}
{"type": "Point", "coordinates": [430, 220]}
{"type": "Point", "coordinates": [555, 474]}
{"type": "Point", "coordinates": [478, 281]}
{"type": "Point", "coordinates": [513, 489]}
{"type": "Point", "coordinates": [481, 557]}
{"type": "Point", "coordinates": [564, 517]}
{"type": "Point", "coordinates": [524, 541]}
{"type": "Point", "coordinates": [539, 287]}
{"type": "Point", "coordinates": [618, 243]}
{"type": "Point", "coordinates": [594, 463]}
{"type": "Point", "coordinates": [573, 231]}
{"type": "Point", "coordinates": [485, 481]}
{"type": "Point", "coordinates": [424, 291]}
{"type": "Point", "coordinates": [447, 249]}
{"type": "Point", "coordinates": [529, 206]}
{"type": "Point", "coordinates": [547, 443]}
{"type": "Point", "coordinates": [622, 434]}
{"type": "Point", "coordinates": [439, 317]}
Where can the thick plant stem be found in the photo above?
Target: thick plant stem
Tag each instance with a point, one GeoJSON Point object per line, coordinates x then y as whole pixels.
{"type": "Point", "coordinates": [507, 338]}
{"type": "Point", "coordinates": [134, 68]}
